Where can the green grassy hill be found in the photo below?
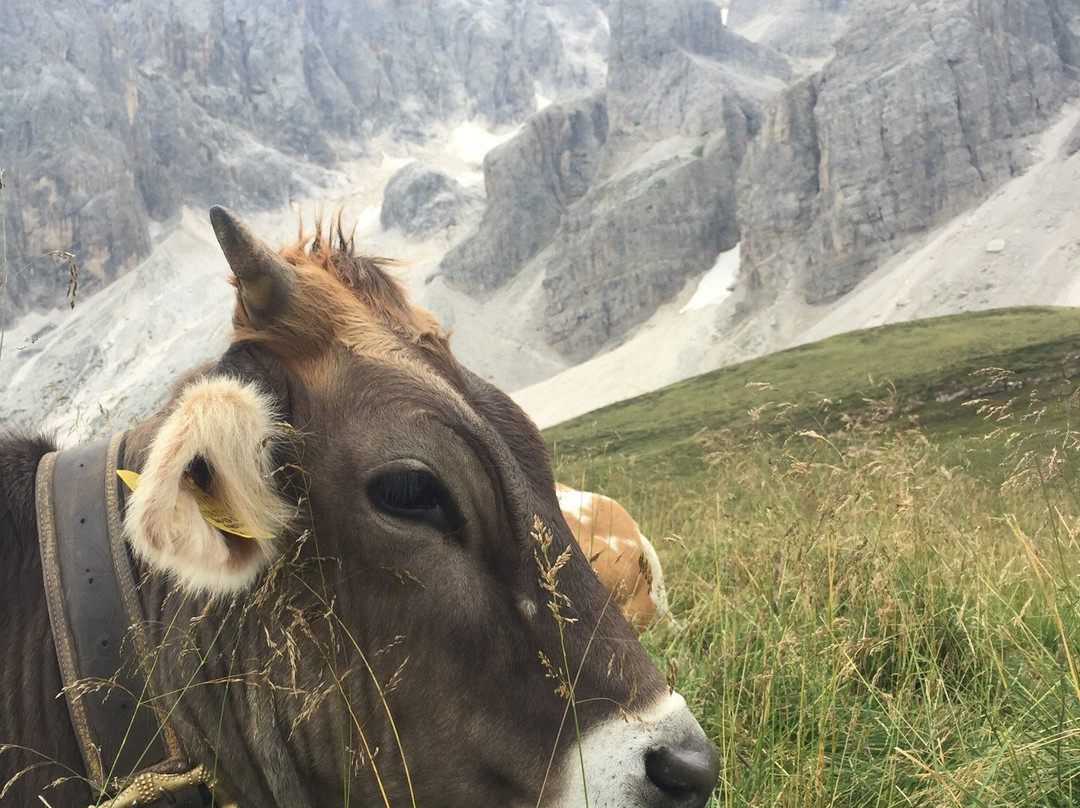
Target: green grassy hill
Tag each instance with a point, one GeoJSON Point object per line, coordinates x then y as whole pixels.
{"type": "Point", "coordinates": [927, 371]}
{"type": "Point", "coordinates": [872, 544]}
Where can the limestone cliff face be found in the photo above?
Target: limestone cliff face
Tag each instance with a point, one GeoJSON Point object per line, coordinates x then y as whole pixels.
{"type": "Point", "coordinates": [674, 69]}
{"type": "Point", "coordinates": [922, 113]}
{"type": "Point", "coordinates": [77, 188]}
{"type": "Point", "coordinates": [632, 242]}
{"type": "Point", "coordinates": [684, 98]}
{"type": "Point", "coordinates": [422, 201]}
{"type": "Point", "coordinates": [531, 181]}
{"type": "Point", "coordinates": [798, 28]}
{"type": "Point", "coordinates": [638, 194]}
{"type": "Point", "coordinates": [114, 114]}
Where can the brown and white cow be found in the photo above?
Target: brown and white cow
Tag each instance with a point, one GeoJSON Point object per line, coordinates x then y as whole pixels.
{"type": "Point", "coordinates": [621, 556]}
{"type": "Point", "coordinates": [388, 636]}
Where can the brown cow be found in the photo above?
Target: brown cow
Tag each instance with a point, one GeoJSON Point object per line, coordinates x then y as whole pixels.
{"type": "Point", "coordinates": [622, 558]}
{"type": "Point", "coordinates": [352, 581]}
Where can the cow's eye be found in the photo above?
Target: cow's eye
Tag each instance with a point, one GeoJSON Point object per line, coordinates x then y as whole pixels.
{"type": "Point", "coordinates": [412, 494]}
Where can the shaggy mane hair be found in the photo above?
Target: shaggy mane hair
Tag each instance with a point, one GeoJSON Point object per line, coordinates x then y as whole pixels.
{"type": "Point", "coordinates": [349, 298]}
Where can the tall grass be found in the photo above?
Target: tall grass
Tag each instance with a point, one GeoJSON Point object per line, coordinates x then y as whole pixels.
{"type": "Point", "coordinates": [867, 621]}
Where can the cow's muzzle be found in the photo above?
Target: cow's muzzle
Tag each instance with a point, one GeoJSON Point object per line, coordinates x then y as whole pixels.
{"type": "Point", "coordinates": [660, 758]}
{"type": "Point", "coordinates": [683, 771]}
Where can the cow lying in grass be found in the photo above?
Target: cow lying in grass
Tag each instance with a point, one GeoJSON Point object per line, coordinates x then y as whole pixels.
{"type": "Point", "coordinates": [623, 559]}
{"type": "Point", "coordinates": [335, 573]}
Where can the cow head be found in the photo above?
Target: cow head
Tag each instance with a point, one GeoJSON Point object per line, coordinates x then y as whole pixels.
{"type": "Point", "coordinates": [378, 600]}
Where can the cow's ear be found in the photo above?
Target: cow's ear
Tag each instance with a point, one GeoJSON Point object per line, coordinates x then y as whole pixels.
{"type": "Point", "coordinates": [265, 281]}
{"type": "Point", "coordinates": [205, 508]}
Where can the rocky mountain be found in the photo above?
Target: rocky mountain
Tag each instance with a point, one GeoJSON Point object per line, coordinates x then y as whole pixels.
{"type": "Point", "coordinates": [1019, 247]}
{"type": "Point", "coordinates": [844, 164]}
{"type": "Point", "coordinates": [114, 114]}
{"type": "Point", "coordinates": [905, 115]}
{"type": "Point", "coordinates": [530, 183]}
{"type": "Point", "coordinates": [618, 198]}
{"type": "Point", "coordinates": [422, 201]}
{"type": "Point", "coordinates": [803, 29]}
{"type": "Point", "coordinates": [922, 112]}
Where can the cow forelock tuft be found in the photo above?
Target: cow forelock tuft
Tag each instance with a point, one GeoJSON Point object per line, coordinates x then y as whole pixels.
{"type": "Point", "coordinates": [345, 298]}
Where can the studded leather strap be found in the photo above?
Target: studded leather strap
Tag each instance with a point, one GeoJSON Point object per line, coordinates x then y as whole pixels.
{"type": "Point", "coordinates": [89, 586]}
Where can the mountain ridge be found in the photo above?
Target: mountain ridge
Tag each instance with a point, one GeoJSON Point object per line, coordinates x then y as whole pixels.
{"type": "Point", "coordinates": [113, 115]}
{"type": "Point", "coordinates": [605, 207]}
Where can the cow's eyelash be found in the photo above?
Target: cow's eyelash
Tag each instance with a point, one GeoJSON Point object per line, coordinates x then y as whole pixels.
{"type": "Point", "coordinates": [413, 494]}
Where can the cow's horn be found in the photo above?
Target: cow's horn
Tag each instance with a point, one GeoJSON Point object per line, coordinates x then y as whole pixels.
{"type": "Point", "coordinates": [265, 280]}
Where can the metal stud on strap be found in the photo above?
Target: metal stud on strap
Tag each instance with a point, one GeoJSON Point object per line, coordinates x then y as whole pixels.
{"type": "Point", "coordinates": [191, 789]}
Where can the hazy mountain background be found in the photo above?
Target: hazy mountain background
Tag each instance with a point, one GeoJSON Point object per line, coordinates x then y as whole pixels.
{"type": "Point", "coordinates": [600, 197]}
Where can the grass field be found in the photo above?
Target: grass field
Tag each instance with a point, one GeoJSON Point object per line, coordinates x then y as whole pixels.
{"type": "Point", "coordinates": [873, 549]}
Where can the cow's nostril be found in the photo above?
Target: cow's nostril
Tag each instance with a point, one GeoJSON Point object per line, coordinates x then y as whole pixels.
{"type": "Point", "coordinates": [684, 777]}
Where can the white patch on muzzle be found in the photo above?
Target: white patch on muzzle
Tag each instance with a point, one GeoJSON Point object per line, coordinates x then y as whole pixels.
{"type": "Point", "coordinates": [232, 426]}
{"type": "Point", "coordinates": [614, 754]}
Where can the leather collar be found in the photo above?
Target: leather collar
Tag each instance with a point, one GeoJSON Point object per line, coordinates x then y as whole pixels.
{"type": "Point", "coordinates": [96, 618]}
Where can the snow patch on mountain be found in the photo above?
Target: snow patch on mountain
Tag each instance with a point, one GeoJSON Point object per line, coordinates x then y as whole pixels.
{"type": "Point", "coordinates": [470, 141]}
{"type": "Point", "coordinates": [715, 285]}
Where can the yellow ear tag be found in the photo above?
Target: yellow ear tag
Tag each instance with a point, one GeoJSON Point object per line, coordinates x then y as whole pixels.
{"type": "Point", "coordinates": [209, 508]}
{"type": "Point", "coordinates": [130, 478]}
